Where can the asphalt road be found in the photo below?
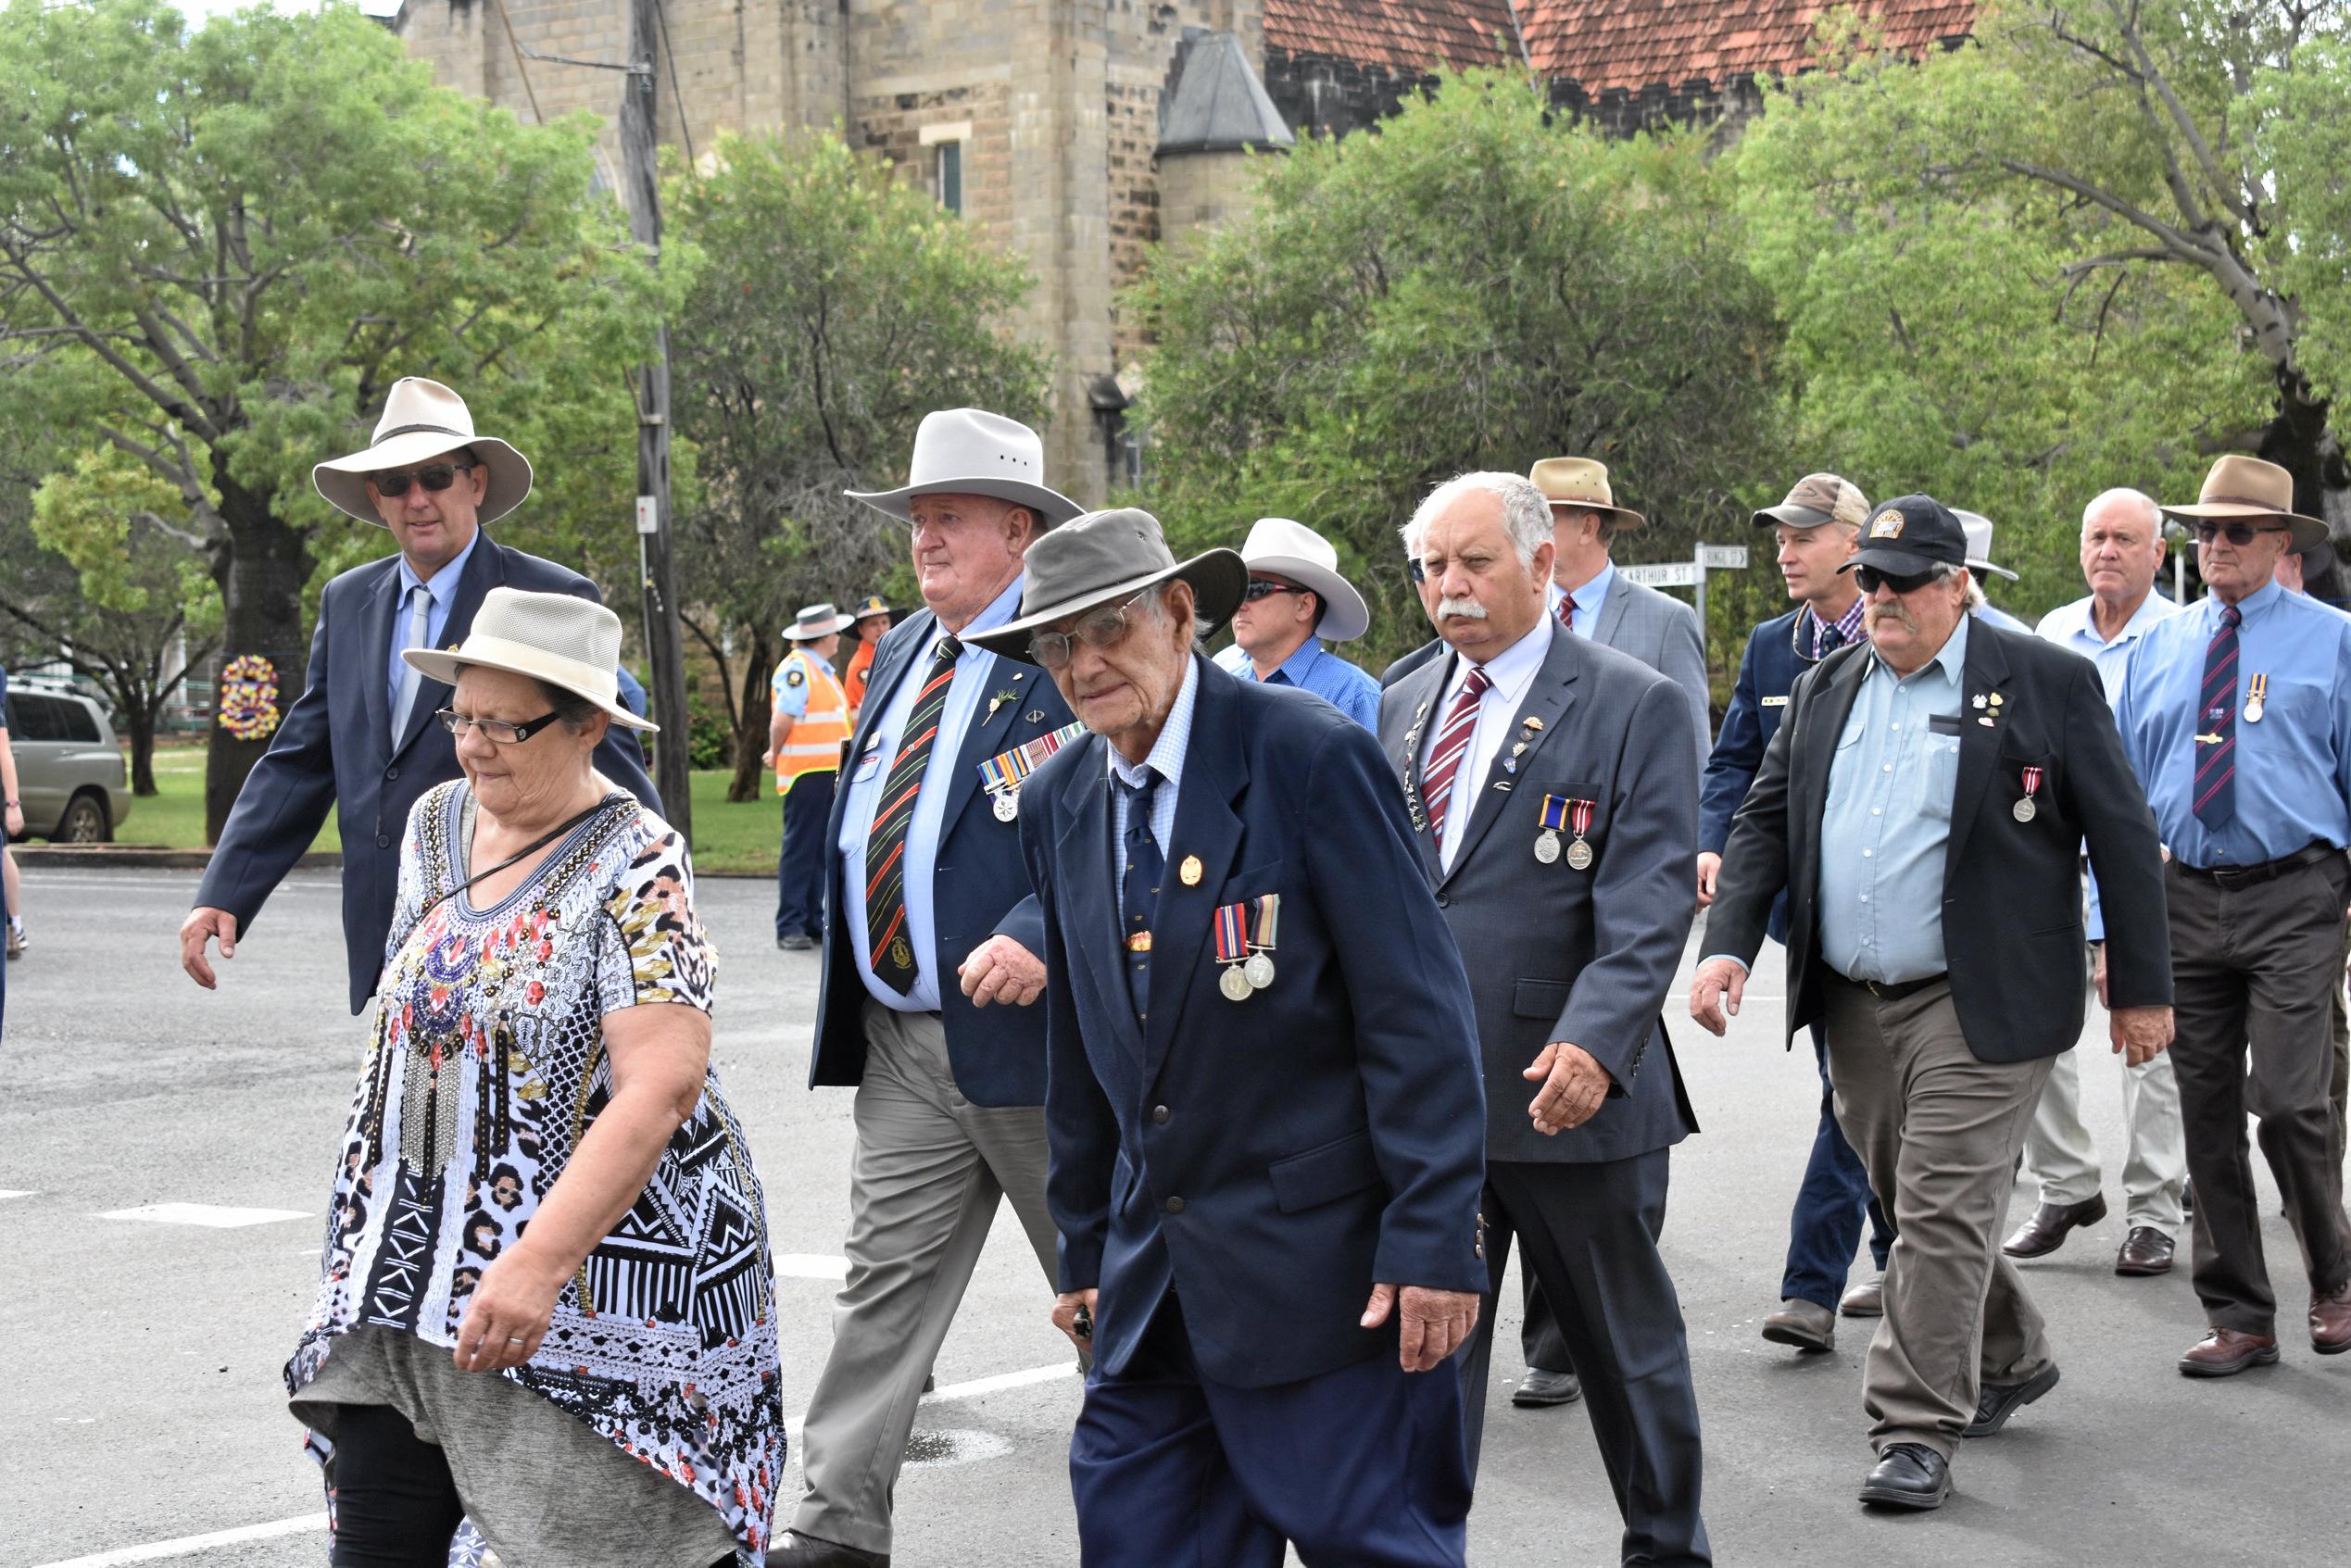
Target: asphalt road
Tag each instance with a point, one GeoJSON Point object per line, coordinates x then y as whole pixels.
{"type": "Point", "coordinates": [143, 1405]}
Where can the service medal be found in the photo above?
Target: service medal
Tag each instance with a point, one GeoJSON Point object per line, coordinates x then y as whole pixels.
{"type": "Point", "coordinates": [1235, 985]}
{"type": "Point", "coordinates": [1579, 856]}
{"type": "Point", "coordinates": [1006, 805]}
{"type": "Point", "coordinates": [2024, 810]}
{"type": "Point", "coordinates": [1000, 776]}
{"type": "Point", "coordinates": [1258, 970]}
{"type": "Point", "coordinates": [2256, 698]}
{"type": "Point", "coordinates": [1547, 846]}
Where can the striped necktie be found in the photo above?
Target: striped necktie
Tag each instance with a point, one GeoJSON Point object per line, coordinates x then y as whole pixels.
{"type": "Point", "coordinates": [1452, 744]}
{"type": "Point", "coordinates": [1567, 611]}
{"type": "Point", "coordinates": [886, 949]}
{"type": "Point", "coordinates": [2216, 792]}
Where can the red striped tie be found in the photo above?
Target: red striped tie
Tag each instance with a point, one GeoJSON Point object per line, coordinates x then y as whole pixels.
{"type": "Point", "coordinates": [1567, 611]}
{"type": "Point", "coordinates": [2215, 799]}
{"type": "Point", "coordinates": [1452, 744]}
{"type": "Point", "coordinates": [885, 945]}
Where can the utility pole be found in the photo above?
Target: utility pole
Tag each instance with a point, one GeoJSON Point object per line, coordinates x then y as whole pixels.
{"type": "Point", "coordinates": [664, 641]}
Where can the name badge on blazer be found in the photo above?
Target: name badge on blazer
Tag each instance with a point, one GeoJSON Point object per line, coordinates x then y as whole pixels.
{"type": "Point", "coordinates": [1780, 701]}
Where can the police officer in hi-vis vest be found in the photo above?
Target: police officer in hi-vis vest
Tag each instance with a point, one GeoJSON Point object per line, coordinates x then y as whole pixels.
{"type": "Point", "coordinates": [810, 720]}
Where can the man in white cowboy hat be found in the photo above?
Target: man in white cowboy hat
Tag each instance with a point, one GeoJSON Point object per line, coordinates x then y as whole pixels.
{"type": "Point", "coordinates": [1296, 599]}
{"type": "Point", "coordinates": [931, 938]}
{"type": "Point", "coordinates": [2236, 715]}
{"type": "Point", "coordinates": [361, 738]}
{"type": "Point", "coordinates": [1265, 1106]}
{"type": "Point", "coordinates": [1979, 566]}
{"type": "Point", "coordinates": [808, 719]}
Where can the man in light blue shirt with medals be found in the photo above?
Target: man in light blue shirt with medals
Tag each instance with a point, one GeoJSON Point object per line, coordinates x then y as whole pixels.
{"type": "Point", "coordinates": [1296, 600]}
{"type": "Point", "coordinates": [2236, 714]}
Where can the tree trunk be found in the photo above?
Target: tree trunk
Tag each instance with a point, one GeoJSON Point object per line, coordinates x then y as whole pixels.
{"type": "Point", "coordinates": [261, 573]}
{"type": "Point", "coordinates": [750, 728]}
{"type": "Point", "coordinates": [2300, 439]}
{"type": "Point", "coordinates": [139, 719]}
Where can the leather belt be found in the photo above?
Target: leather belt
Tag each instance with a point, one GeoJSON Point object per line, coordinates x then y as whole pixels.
{"type": "Point", "coordinates": [2268, 870]}
{"type": "Point", "coordinates": [1894, 990]}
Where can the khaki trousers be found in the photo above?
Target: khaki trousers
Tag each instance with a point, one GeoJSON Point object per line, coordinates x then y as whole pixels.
{"type": "Point", "coordinates": [924, 1182]}
{"type": "Point", "coordinates": [1940, 1131]}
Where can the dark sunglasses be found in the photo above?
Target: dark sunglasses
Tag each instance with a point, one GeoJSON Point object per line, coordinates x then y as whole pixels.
{"type": "Point", "coordinates": [1260, 589]}
{"type": "Point", "coordinates": [497, 730]}
{"type": "Point", "coordinates": [1871, 579]}
{"type": "Point", "coordinates": [2237, 533]}
{"type": "Point", "coordinates": [435, 477]}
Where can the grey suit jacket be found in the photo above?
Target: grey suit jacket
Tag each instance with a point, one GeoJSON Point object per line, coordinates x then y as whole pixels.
{"type": "Point", "coordinates": [1554, 953]}
{"type": "Point", "coordinates": [1663, 633]}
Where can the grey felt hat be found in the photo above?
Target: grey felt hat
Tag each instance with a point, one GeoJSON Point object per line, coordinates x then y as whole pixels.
{"type": "Point", "coordinates": [1104, 558]}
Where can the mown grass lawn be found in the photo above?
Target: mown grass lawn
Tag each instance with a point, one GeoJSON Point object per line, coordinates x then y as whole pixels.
{"type": "Point", "coordinates": [726, 838]}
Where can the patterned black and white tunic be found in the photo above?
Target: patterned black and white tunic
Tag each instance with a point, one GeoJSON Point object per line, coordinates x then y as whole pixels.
{"type": "Point", "coordinates": [487, 1068]}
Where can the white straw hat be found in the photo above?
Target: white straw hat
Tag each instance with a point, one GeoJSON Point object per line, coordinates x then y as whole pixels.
{"type": "Point", "coordinates": [817, 621]}
{"type": "Point", "coordinates": [1283, 548]}
{"type": "Point", "coordinates": [973, 452]}
{"type": "Point", "coordinates": [422, 419]}
{"type": "Point", "coordinates": [571, 644]}
{"type": "Point", "coordinates": [1978, 528]}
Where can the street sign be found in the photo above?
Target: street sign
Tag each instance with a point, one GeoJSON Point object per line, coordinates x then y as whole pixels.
{"type": "Point", "coordinates": [649, 515]}
{"type": "Point", "coordinates": [1663, 574]}
{"type": "Point", "coordinates": [1722, 557]}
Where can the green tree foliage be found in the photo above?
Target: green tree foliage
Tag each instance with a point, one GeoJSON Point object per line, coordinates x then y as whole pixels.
{"type": "Point", "coordinates": [836, 307]}
{"type": "Point", "coordinates": [218, 247]}
{"type": "Point", "coordinates": [1479, 285]}
{"type": "Point", "coordinates": [2095, 245]}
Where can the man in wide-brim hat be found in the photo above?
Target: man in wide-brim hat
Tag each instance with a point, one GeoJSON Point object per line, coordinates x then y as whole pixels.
{"type": "Point", "coordinates": [1265, 1118]}
{"type": "Point", "coordinates": [808, 717]}
{"type": "Point", "coordinates": [362, 740]}
{"type": "Point", "coordinates": [1296, 598]}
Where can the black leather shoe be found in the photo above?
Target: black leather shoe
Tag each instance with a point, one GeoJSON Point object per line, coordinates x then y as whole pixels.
{"type": "Point", "coordinates": [1540, 1389]}
{"type": "Point", "coordinates": [1998, 1401]}
{"type": "Point", "coordinates": [796, 943]}
{"type": "Point", "coordinates": [2144, 1251]}
{"type": "Point", "coordinates": [1908, 1476]}
{"type": "Point", "coordinates": [806, 1551]}
{"type": "Point", "coordinates": [2045, 1232]}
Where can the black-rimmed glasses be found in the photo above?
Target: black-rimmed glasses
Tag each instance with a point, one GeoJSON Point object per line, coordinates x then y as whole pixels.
{"type": "Point", "coordinates": [497, 730]}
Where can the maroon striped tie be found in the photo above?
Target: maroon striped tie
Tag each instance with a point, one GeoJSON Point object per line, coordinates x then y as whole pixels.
{"type": "Point", "coordinates": [885, 945]}
{"type": "Point", "coordinates": [2216, 792]}
{"type": "Point", "coordinates": [1452, 744]}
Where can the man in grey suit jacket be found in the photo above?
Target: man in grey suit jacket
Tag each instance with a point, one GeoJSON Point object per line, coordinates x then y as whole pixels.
{"type": "Point", "coordinates": [1552, 785]}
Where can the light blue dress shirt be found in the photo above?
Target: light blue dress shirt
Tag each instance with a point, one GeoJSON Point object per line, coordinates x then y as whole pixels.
{"type": "Point", "coordinates": [443, 586]}
{"type": "Point", "coordinates": [1166, 759]}
{"type": "Point", "coordinates": [1886, 826]}
{"type": "Point", "coordinates": [1313, 668]}
{"type": "Point", "coordinates": [976, 678]}
{"type": "Point", "coordinates": [1590, 599]}
{"type": "Point", "coordinates": [2073, 628]}
{"type": "Point", "coordinates": [2294, 765]}
{"type": "Point", "coordinates": [1993, 615]}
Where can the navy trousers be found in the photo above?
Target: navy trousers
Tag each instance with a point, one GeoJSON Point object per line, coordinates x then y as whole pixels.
{"type": "Point", "coordinates": [1825, 1226]}
{"type": "Point", "coordinates": [1591, 1232]}
{"type": "Point", "coordinates": [799, 867]}
{"type": "Point", "coordinates": [1360, 1468]}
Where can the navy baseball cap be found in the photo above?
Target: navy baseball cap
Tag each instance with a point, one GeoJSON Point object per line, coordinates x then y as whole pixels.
{"type": "Point", "coordinates": [1911, 535]}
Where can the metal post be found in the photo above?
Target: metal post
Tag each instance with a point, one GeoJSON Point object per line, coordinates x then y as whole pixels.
{"type": "Point", "coordinates": [1700, 556]}
{"type": "Point", "coordinates": [665, 640]}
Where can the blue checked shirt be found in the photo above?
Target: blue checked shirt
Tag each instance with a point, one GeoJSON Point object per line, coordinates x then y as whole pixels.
{"type": "Point", "coordinates": [1316, 668]}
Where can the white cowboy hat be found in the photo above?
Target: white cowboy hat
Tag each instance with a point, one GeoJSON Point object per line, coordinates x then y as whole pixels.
{"type": "Point", "coordinates": [571, 644]}
{"type": "Point", "coordinates": [973, 452]}
{"type": "Point", "coordinates": [1279, 547]}
{"type": "Point", "coordinates": [817, 621]}
{"type": "Point", "coordinates": [1979, 531]}
{"type": "Point", "coordinates": [422, 419]}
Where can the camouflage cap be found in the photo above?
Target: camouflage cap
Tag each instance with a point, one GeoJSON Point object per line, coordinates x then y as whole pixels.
{"type": "Point", "coordinates": [1818, 498]}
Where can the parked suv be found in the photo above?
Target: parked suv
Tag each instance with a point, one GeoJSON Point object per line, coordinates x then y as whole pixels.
{"type": "Point", "coordinates": [69, 771]}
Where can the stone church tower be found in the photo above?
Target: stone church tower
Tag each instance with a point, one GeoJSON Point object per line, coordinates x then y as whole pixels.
{"type": "Point", "coordinates": [1038, 120]}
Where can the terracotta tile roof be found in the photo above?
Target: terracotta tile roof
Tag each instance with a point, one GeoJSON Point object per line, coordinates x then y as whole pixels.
{"type": "Point", "coordinates": [1401, 34]}
{"type": "Point", "coordinates": [1629, 45]}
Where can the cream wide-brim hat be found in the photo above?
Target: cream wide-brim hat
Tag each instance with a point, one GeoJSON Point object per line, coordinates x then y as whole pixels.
{"type": "Point", "coordinates": [421, 420]}
{"type": "Point", "coordinates": [2248, 489]}
{"type": "Point", "coordinates": [1280, 547]}
{"type": "Point", "coordinates": [973, 452]}
{"type": "Point", "coordinates": [571, 644]}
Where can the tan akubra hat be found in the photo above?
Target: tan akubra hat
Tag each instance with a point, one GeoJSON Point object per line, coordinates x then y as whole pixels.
{"type": "Point", "coordinates": [571, 644]}
{"type": "Point", "coordinates": [2249, 488]}
{"type": "Point", "coordinates": [1580, 485]}
{"type": "Point", "coordinates": [421, 420]}
{"type": "Point", "coordinates": [1818, 498]}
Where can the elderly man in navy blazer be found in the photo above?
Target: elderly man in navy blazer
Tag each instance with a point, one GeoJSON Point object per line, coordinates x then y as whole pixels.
{"type": "Point", "coordinates": [1553, 787]}
{"type": "Point", "coordinates": [362, 739]}
{"type": "Point", "coordinates": [1263, 1098]}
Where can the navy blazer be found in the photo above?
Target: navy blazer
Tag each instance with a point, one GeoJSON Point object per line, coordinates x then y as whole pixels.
{"type": "Point", "coordinates": [1768, 673]}
{"type": "Point", "coordinates": [1271, 1158]}
{"type": "Point", "coordinates": [979, 887]}
{"type": "Point", "coordinates": [334, 748]}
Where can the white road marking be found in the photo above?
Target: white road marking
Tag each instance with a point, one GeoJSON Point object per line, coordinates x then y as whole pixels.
{"type": "Point", "coordinates": [212, 1216]}
{"type": "Point", "coordinates": [969, 1445]}
{"type": "Point", "coordinates": [809, 1265]}
{"type": "Point", "coordinates": [16, 1192]}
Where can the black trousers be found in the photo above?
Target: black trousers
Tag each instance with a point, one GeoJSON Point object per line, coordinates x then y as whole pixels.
{"type": "Point", "coordinates": [1591, 1232]}
{"type": "Point", "coordinates": [799, 863]}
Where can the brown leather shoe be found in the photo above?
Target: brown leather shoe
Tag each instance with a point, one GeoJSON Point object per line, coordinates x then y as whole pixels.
{"type": "Point", "coordinates": [2146, 1250]}
{"type": "Point", "coordinates": [2331, 1321]}
{"type": "Point", "coordinates": [2045, 1232]}
{"type": "Point", "coordinates": [1806, 1324]}
{"type": "Point", "coordinates": [2224, 1352]}
{"type": "Point", "coordinates": [1866, 1299]}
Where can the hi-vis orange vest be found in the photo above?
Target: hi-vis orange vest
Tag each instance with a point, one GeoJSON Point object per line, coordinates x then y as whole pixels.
{"type": "Point", "coordinates": [814, 744]}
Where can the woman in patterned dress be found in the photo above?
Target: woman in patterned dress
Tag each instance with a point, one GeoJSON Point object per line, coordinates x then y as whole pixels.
{"type": "Point", "coordinates": [547, 1302]}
